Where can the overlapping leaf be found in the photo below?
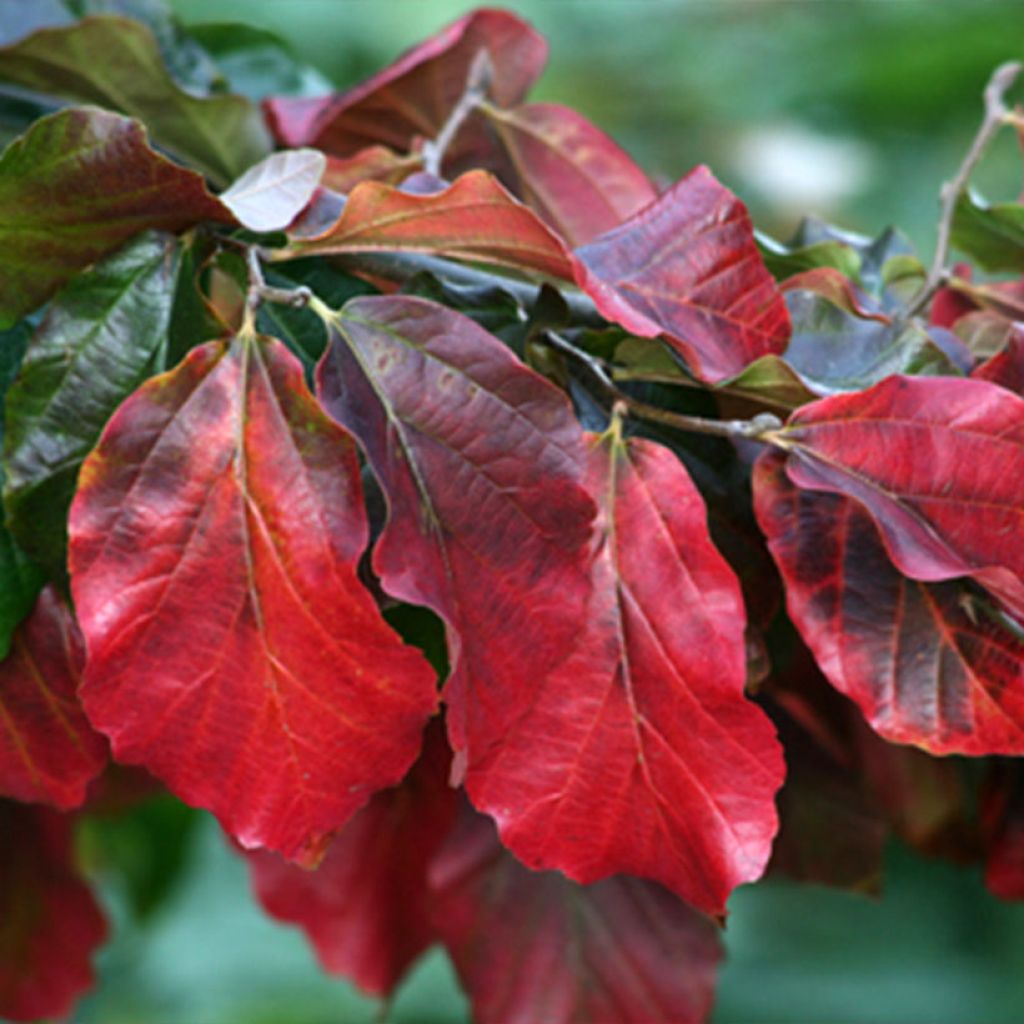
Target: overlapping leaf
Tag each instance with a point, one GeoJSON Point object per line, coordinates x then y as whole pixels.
{"type": "Point", "coordinates": [924, 662]}
{"type": "Point", "coordinates": [570, 172]}
{"type": "Point", "coordinates": [116, 63]}
{"type": "Point", "coordinates": [50, 924]}
{"type": "Point", "coordinates": [269, 195]}
{"type": "Point", "coordinates": [366, 908]}
{"type": "Point", "coordinates": [936, 462]}
{"type": "Point", "coordinates": [76, 186]}
{"type": "Point", "coordinates": [1006, 368]}
{"type": "Point", "coordinates": [533, 946]}
{"type": "Point", "coordinates": [48, 751]}
{"type": "Point", "coordinates": [640, 755]}
{"type": "Point", "coordinates": [482, 465]}
{"type": "Point", "coordinates": [687, 266]}
{"type": "Point", "coordinates": [474, 219]}
{"type": "Point", "coordinates": [104, 334]}
{"type": "Point", "coordinates": [413, 97]}
{"type": "Point", "coordinates": [232, 650]}
{"type": "Point", "coordinates": [993, 236]}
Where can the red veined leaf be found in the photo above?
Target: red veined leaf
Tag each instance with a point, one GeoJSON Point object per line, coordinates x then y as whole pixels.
{"type": "Point", "coordinates": [939, 464]}
{"type": "Point", "coordinates": [48, 751]}
{"type": "Point", "coordinates": [50, 924]}
{"type": "Point", "coordinates": [412, 98]}
{"type": "Point", "coordinates": [482, 463]}
{"type": "Point", "coordinates": [579, 180]}
{"type": "Point", "coordinates": [77, 185]}
{"type": "Point", "coordinates": [375, 163]}
{"type": "Point", "coordinates": [475, 218]}
{"type": "Point", "coordinates": [1006, 368]}
{"type": "Point", "coordinates": [232, 649]}
{"type": "Point", "coordinates": [1002, 817]}
{"type": "Point", "coordinates": [687, 266]}
{"type": "Point", "coordinates": [640, 755]}
{"type": "Point", "coordinates": [924, 663]}
{"type": "Point", "coordinates": [532, 946]}
{"type": "Point", "coordinates": [365, 908]}
{"type": "Point", "coordinates": [270, 194]}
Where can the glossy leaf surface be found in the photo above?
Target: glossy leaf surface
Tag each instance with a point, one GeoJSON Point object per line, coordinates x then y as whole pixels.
{"type": "Point", "coordinates": [116, 63]}
{"type": "Point", "coordinates": [224, 479]}
{"type": "Point", "coordinates": [926, 664]}
{"type": "Point", "coordinates": [48, 751]}
{"type": "Point", "coordinates": [269, 195]}
{"type": "Point", "coordinates": [937, 462]}
{"type": "Point", "coordinates": [687, 267]}
{"type": "Point", "coordinates": [474, 219]}
{"type": "Point", "coordinates": [365, 909]}
{"type": "Point", "coordinates": [50, 924]}
{"type": "Point", "coordinates": [76, 186]}
{"type": "Point", "coordinates": [412, 98]}
{"type": "Point", "coordinates": [640, 755]}
{"type": "Point", "coordinates": [570, 172]}
{"type": "Point", "coordinates": [531, 946]}
{"type": "Point", "coordinates": [482, 465]}
{"type": "Point", "coordinates": [102, 336]}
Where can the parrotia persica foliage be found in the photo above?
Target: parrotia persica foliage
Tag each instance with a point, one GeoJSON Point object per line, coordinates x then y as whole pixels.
{"type": "Point", "coordinates": [372, 477]}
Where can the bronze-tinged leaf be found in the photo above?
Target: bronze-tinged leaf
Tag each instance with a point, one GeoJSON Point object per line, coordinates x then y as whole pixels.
{"type": "Point", "coordinates": [232, 649]}
{"type": "Point", "coordinates": [412, 98]}
{"type": "Point", "coordinates": [375, 163]}
{"type": "Point", "coordinates": [48, 751]}
{"type": "Point", "coordinates": [482, 464]}
{"type": "Point", "coordinates": [50, 924]}
{"type": "Point", "coordinates": [76, 186]}
{"type": "Point", "coordinates": [687, 267]}
{"type": "Point", "coordinates": [641, 755]}
{"type": "Point", "coordinates": [475, 218]}
{"type": "Point", "coordinates": [531, 946]}
{"type": "Point", "coordinates": [116, 63]}
{"type": "Point", "coordinates": [938, 462]}
{"type": "Point", "coordinates": [366, 908]}
{"type": "Point", "coordinates": [579, 180]}
{"type": "Point", "coordinates": [928, 663]}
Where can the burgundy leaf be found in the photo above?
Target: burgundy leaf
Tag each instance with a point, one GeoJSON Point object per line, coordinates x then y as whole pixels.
{"type": "Point", "coordinates": [926, 664]}
{"type": "Point", "coordinates": [365, 909]}
{"type": "Point", "coordinates": [938, 463]}
{"type": "Point", "coordinates": [50, 924]}
{"type": "Point", "coordinates": [1006, 368]}
{"type": "Point", "coordinates": [232, 649]}
{"type": "Point", "coordinates": [687, 266]}
{"type": "Point", "coordinates": [532, 947]}
{"type": "Point", "coordinates": [640, 754]}
{"type": "Point", "coordinates": [48, 751]}
{"type": "Point", "coordinates": [1002, 815]}
{"type": "Point", "coordinates": [570, 172]}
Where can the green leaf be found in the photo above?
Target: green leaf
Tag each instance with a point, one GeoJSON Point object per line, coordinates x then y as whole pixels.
{"type": "Point", "coordinates": [772, 380]}
{"type": "Point", "coordinates": [104, 334]}
{"type": "Point", "coordinates": [993, 236]}
{"type": "Point", "coordinates": [20, 578]}
{"type": "Point", "coordinates": [76, 186]}
{"type": "Point", "coordinates": [116, 63]}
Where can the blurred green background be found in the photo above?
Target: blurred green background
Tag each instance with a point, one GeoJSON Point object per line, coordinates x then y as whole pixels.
{"type": "Point", "coordinates": [854, 111]}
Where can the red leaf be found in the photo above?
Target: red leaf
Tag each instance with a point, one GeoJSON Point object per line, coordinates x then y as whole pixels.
{"type": "Point", "coordinates": [412, 98]}
{"type": "Point", "coordinates": [532, 947]}
{"type": "Point", "coordinates": [214, 543]}
{"type": "Point", "coordinates": [49, 922]}
{"type": "Point", "coordinates": [48, 751]}
{"type": "Point", "coordinates": [922, 663]}
{"type": "Point", "coordinates": [77, 185]}
{"type": "Point", "coordinates": [1006, 368]}
{"type": "Point", "coordinates": [835, 286]}
{"type": "Point", "coordinates": [365, 908]}
{"type": "Point", "coordinates": [687, 266]}
{"type": "Point", "coordinates": [570, 172]}
{"type": "Point", "coordinates": [482, 463]}
{"type": "Point", "coordinates": [375, 163]}
{"type": "Point", "coordinates": [640, 755]}
{"type": "Point", "coordinates": [473, 219]}
{"type": "Point", "coordinates": [1002, 816]}
{"type": "Point", "coordinates": [937, 462]}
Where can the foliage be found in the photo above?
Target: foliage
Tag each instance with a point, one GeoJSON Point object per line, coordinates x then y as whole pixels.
{"type": "Point", "coordinates": [482, 534]}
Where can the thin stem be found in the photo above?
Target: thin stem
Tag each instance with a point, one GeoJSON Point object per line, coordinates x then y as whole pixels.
{"type": "Point", "coordinates": [996, 115]}
{"type": "Point", "coordinates": [260, 292]}
{"type": "Point", "coordinates": [478, 81]}
{"type": "Point", "coordinates": [757, 429]}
